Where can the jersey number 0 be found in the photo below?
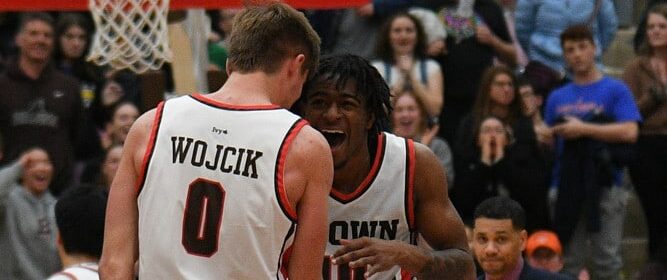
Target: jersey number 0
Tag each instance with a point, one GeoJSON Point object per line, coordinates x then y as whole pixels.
{"type": "Point", "coordinates": [203, 217]}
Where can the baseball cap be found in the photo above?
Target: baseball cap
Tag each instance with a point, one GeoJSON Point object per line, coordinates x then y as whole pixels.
{"type": "Point", "coordinates": [543, 239]}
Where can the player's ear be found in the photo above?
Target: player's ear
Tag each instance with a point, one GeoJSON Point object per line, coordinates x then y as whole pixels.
{"type": "Point", "coordinates": [370, 122]}
{"type": "Point", "coordinates": [296, 64]}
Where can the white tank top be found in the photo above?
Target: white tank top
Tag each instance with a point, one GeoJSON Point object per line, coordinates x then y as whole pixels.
{"type": "Point", "coordinates": [82, 271]}
{"type": "Point", "coordinates": [381, 207]}
{"type": "Point", "coordinates": [212, 203]}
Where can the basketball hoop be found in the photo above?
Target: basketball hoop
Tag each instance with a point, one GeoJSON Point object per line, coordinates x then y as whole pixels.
{"type": "Point", "coordinates": [130, 34]}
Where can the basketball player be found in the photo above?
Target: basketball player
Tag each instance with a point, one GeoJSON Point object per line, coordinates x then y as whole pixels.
{"type": "Point", "coordinates": [80, 219]}
{"type": "Point", "coordinates": [213, 186]}
{"type": "Point", "coordinates": [386, 190]}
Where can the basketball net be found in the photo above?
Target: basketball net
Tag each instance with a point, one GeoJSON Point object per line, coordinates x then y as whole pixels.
{"type": "Point", "coordinates": [130, 34]}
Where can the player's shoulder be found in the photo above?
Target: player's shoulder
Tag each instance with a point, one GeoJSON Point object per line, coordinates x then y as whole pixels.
{"type": "Point", "coordinates": [308, 140]}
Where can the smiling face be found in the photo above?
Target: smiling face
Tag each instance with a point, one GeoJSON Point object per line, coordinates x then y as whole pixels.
{"type": "Point", "coordinates": [656, 30]}
{"type": "Point", "coordinates": [36, 41]}
{"type": "Point", "coordinates": [122, 121]}
{"type": "Point", "coordinates": [407, 116]}
{"type": "Point", "coordinates": [341, 116]}
{"type": "Point", "coordinates": [403, 36]}
{"type": "Point", "coordinates": [497, 245]}
{"type": "Point", "coordinates": [38, 172]}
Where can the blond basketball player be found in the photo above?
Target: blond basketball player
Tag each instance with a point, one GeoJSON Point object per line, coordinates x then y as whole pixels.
{"type": "Point", "coordinates": [228, 185]}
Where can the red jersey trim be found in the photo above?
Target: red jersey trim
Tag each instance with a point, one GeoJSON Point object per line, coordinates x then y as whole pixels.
{"type": "Point", "coordinates": [222, 105]}
{"type": "Point", "coordinates": [285, 254]}
{"type": "Point", "coordinates": [363, 187]}
{"type": "Point", "coordinates": [405, 275]}
{"type": "Point", "coordinates": [149, 149]}
{"type": "Point", "coordinates": [410, 183]}
{"type": "Point", "coordinates": [281, 193]}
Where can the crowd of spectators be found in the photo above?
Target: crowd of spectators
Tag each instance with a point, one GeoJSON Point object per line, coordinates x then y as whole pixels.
{"type": "Point", "coordinates": [457, 81]}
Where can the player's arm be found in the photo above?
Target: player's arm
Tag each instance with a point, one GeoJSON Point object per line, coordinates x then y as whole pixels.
{"type": "Point", "coordinates": [439, 223]}
{"type": "Point", "coordinates": [120, 249]}
{"type": "Point", "coordinates": [436, 220]}
{"type": "Point", "coordinates": [310, 156]}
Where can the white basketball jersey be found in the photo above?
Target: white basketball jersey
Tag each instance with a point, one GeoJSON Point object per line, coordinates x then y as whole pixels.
{"type": "Point", "coordinates": [381, 207]}
{"type": "Point", "coordinates": [82, 271]}
{"type": "Point", "coordinates": [212, 203]}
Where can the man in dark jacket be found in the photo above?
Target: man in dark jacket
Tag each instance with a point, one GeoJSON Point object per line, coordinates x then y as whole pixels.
{"type": "Point", "coordinates": [499, 237]}
{"type": "Point", "coordinates": [39, 105]}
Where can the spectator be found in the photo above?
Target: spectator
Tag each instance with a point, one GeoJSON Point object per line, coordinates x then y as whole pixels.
{"type": "Point", "coordinates": [350, 30]}
{"type": "Point", "coordinates": [494, 168]}
{"type": "Point", "coordinates": [27, 222]}
{"type": "Point", "coordinates": [122, 117]}
{"type": "Point", "coordinates": [401, 49]}
{"type": "Point", "coordinates": [640, 32]}
{"type": "Point", "coordinates": [646, 75]}
{"type": "Point", "coordinates": [477, 34]}
{"type": "Point", "coordinates": [499, 237]}
{"type": "Point", "coordinates": [543, 251]}
{"type": "Point", "coordinates": [538, 23]}
{"type": "Point", "coordinates": [120, 86]}
{"type": "Point", "coordinates": [409, 120]}
{"type": "Point", "coordinates": [39, 105]}
{"type": "Point", "coordinates": [101, 172]}
{"type": "Point", "coordinates": [591, 117]}
{"type": "Point", "coordinates": [80, 219]}
{"type": "Point", "coordinates": [532, 102]}
{"type": "Point", "coordinates": [498, 97]}
{"type": "Point", "coordinates": [72, 40]}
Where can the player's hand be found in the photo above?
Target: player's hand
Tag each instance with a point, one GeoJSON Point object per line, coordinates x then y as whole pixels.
{"type": "Point", "coordinates": [376, 255]}
{"type": "Point", "coordinates": [484, 34]}
{"type": "Point", "coordinates": [572, 128]}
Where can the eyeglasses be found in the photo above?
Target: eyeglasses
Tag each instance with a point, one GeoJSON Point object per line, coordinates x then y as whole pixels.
{"type": "Point", "coordinates": [502, 84]}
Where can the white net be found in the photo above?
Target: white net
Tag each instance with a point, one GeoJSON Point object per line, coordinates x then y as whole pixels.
{"type": "Point", "coordinates": [130, 34]}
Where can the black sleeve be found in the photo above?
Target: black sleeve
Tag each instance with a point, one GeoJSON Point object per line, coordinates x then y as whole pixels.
{"type": "Point", "coordinates": [524, 173]}
{"type": "Point", "coordinates": [471, 185]}
{"type": "Point", "coordinates": [492, 14]}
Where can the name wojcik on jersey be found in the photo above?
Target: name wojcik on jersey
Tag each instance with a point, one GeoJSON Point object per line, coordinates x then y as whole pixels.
{"type": "Point", "coordinates": [227, 159]}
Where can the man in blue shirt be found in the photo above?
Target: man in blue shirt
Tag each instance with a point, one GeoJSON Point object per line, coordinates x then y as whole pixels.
{"type": "Point", "coordinates": [592, 118]}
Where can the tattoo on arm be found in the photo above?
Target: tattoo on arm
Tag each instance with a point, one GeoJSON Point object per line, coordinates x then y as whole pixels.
{"type": "Point", "coordinates": [452, 263]}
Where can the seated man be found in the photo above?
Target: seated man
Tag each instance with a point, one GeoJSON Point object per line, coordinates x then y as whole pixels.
{"type": "Point", "coordinates": [80, 219]}
{"type": "Point", "coordinates": [499, 237]}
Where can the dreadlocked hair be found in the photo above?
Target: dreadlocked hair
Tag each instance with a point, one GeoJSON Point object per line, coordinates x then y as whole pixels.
{"type": "Point", "coordinates": [370, 86]}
